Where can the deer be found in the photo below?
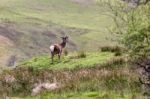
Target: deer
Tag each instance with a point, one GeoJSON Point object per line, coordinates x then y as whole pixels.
{"type": "Point", "coordinates": [56, 49]}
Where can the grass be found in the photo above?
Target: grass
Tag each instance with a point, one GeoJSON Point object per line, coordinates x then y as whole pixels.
{"type": "Point", "coordinates": [56, 12]}
{"type": "Point", "coordinates": [80, 78]}
{"type": "Point", "coordinates": [92, 83]}
{"type": "Point", "coordinates": [70, 61]}
{"type": "Point", "coordinates": [87, 95]}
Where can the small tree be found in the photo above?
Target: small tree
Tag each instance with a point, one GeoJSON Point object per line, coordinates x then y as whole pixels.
{"type": "Point", "coordinates": [132, 24]}
{"type": "Point", "coordinates": [137, 36]}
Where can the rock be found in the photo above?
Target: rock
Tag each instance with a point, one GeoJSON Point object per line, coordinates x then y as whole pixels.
{"type": "Point", "coordinates": [44, 87]}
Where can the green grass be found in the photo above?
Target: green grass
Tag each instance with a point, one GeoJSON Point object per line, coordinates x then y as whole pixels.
{"type": "Point", "coordinates": [87, 95]}
{"type": "Point", "coordinates": [77, 80]}
{"type": "Point", "coordinates": [61, 12]}
{"type": "Point", "coordinates": [70, 61]}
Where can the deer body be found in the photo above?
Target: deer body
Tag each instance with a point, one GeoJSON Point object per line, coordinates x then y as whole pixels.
{"type": "Point", "coordinates": [56, 49]}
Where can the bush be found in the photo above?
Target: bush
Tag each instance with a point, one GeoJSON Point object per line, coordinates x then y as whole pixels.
{"type": "Point", "coordinates": [78, 55]}
{"type": "Point", "coordinates": [118, 53]}
{"type": "Point", "coordinates": [81, 54]}
{"type": "Point", "coordinates": [117, 49]}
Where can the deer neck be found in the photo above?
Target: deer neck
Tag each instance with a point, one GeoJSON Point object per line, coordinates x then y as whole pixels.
{"type": "Point", "coordinates": [63, 44]}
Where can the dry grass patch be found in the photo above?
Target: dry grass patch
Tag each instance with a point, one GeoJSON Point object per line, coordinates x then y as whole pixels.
{"type": "Point", "coordinates": [21, 81]}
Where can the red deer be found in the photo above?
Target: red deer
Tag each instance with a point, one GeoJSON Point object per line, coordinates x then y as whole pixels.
{"type": "Point", "coordinates": [57, 48]}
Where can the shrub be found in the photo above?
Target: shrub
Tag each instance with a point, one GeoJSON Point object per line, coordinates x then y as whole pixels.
{"type": "Point", "coordinates": [117, 49]}
{"type": "Point", "coordinates": [118, 53]}
{"type": "Point", "coordinates": [81, 54]}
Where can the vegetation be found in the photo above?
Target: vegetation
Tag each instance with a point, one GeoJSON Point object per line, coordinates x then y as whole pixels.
{"type": "Point", "coordinates": [87, 95]}
{"type": "Point", "coordinates": [136, 38]}
{"type": "Point", "coordinates": [33, 26]}
{"type": "Point", "coordinates": [97, 75]}
{"type": "Point", "coordinates": [76, 83]}
{"type": "Point", "coordinates": [133, 26]}
{"type": "Point", "coordinates": [71, 61]}
{"type": "Point", "coordinates": [133, 23]}
{"type": "Point", "coordinates": [105, 73]}
{"type": "Point", "coordinates": [118, 50]}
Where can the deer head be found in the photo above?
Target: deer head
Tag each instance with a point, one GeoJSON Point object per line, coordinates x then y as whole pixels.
{"type": "Point", "coordinates": [65, 39]}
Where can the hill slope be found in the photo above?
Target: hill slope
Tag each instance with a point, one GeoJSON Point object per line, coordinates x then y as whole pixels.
{"type": "Point", "coordinates": [32, 25]}
{"type": "Point", "coordinates": [72, 61]}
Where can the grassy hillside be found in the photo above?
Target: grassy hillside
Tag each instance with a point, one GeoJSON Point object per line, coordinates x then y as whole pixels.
{"type": "Point", "coordinates": [86, 71]}
{"type": "Point", "coordinates": [35, 24]}
{"type": "Point", "coordinates": [80, 75]}
{"type": "Point", "coordinates": [71, 61]}
{"type": "Point", "coordinates": [92, 75]}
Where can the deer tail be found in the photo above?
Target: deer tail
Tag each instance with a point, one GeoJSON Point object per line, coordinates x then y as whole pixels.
{"type": "Point", "coordinates": [52, 48]}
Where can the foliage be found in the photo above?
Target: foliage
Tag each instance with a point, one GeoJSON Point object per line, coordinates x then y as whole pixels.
{"type": "Point", "coordinates": [133, 27]}
{"type": "Point", "coordinates": [137, 36]}
{"type": "Point", "coordinates": [111, 49]}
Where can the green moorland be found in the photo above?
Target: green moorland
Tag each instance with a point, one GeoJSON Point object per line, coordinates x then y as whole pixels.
{"type": "Point", "coordinates": [36, 24]}
{"type": "Point", "coordinates": [71, 61]}
{"type": "Point", "coordinates": [99, 75]}
{"type": "Point", "coordinates": [32, 25]}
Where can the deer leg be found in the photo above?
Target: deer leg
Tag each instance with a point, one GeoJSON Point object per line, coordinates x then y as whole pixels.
{"type": "Point", "coordinates": [59, 56]}
{"type": "Point", "coordinates": [52, 57]}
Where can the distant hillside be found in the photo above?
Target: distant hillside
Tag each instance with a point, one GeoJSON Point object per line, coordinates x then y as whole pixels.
{"type": "Point", "coordinates": [28, 27]}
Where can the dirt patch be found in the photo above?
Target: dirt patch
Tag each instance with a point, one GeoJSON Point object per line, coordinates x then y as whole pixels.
{"type": "Point", "coordinates": [5, 44]}
{"type": "Point", "coordinates": [5, 41]}
{"type": "Point", "coordinates": [8, 31]}
{"type": "Point", "coordinates": [8, 37]}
